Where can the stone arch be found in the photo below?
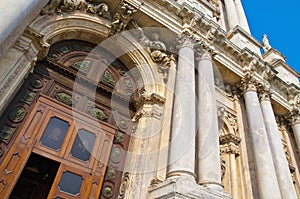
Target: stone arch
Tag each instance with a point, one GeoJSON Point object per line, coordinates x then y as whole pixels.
{"type": "Point", "coordinates": [50, 29]}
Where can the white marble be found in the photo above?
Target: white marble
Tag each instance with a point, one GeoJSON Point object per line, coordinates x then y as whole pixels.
{"type": "Point", "coordinates": [231, 13]}
{"type": "Point", "coordinates": [209, 166]}
{"type": "Point", "coordinates": [242, 17]}
{"type": "Point", "coordinates": [296, 131]}
{"type": "Point", "coordinates": [281, 164]}
{"type": "Point", "coordinates": [182, 142]}
{"type": "Point", "coordinates": [264, 166]}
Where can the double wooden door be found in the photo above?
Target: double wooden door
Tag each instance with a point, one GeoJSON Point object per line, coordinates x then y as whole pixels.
{"type": "Point", "coordinates": [57, 155]}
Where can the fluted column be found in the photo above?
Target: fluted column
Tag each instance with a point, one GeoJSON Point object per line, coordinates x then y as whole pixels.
{"type": "Point", "coordinates": [281, 165]}
{"type": "Point", "coordinates": [241, 15]}
{"type": "Point", "coordinates": [231, 13]}
{"type": "Point", "coordinates": [264, 166]}
{"type": "Point", "coordinates": [14, 18]}
{"type": "Point", "coordinates": [209, 166]}
{"type": "Point", "coordinates": [182, 142]}
{"type": "Point", "coordinates": [296, 126]}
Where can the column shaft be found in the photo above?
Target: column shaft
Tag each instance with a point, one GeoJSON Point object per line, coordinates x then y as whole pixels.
{"type": "Point", "coordinates": [242, 16]}
{"type": "Point", "coordinates": [209, 166]}
{"type": "Point", "coordinates": [296, 131]}
{"type": "Point", "coordinates": [182, 143]}
{"type": "Point", "coordinates": [264, 166]}
{"type": "Point", "coordinates": [231, 13]}
{"type": "Point", "coordinates": [281, 164]}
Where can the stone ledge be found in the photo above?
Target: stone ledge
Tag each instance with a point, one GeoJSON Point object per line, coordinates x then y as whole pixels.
{"type": "Point", "coordinates": [180, 187]}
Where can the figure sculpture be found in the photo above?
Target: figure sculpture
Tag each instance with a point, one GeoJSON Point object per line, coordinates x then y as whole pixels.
{"type": "Point", "coordinates": [265, 43]}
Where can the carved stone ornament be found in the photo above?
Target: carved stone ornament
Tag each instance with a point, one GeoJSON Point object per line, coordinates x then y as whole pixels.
{"type": "Point", "coordinates": [88, 6]}
{"type": "Point", "coordinates": [122, 17]}
{"type": "Point", "coordinates": [156, 48]}
{"type": "Point", "coordinates": [295, 116]}
{"type": "Point", "coordinates": [204, 50]}
{"type": "Point", "coordinates": [248, 82]}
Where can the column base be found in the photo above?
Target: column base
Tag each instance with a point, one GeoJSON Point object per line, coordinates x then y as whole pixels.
{"type": "Point", "coordinates": [182, 187]}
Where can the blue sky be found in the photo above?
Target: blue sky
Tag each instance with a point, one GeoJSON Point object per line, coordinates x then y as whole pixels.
{"type": "Point", "coordinates": [280, 21]}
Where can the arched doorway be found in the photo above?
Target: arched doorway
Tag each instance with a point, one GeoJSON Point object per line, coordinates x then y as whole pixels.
{"type": "Point", "coordinates": [63, 116]}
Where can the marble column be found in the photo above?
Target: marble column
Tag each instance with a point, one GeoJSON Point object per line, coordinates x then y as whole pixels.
{"type": "Point", "coordinates": [182, 143]}
{"type": "Point", "coordinates": [296, 127]}
{"type": "Point", "coordinates": [264, 165]}
{"type": "Point", "coordinates": [209, 166]}
{"type": "Point", "coordinates": [231, 13]}
{"type": "Point", "coordinates": [242, 16]}
{"type": "Point", "coordinates": [14, 18]}
{"type": "Point", "coordinates": [281, 164]}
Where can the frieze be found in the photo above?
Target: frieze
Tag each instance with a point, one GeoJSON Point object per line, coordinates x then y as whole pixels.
{"type": "Point", "coordinates": [88, 6]}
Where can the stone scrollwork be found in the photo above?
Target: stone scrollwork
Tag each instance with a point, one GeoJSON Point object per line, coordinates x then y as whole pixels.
{"type": "Point", "coordinates": [89, 6]}
{"type": "Point", "coordinates": [157, 50]}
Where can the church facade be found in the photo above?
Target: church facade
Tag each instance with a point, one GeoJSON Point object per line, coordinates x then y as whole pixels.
{"type": "Point", "coordinates": [144, 99]}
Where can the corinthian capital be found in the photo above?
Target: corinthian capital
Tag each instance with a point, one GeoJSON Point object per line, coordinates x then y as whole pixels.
{"type": "Point", "coordinates": [247, 84]}
{"type": "Point", "coordinates": [186, 39]}
{"type": "Point", "coordinates": [264, 92]}
{"type": "Point", "coordinates": [295, 116]}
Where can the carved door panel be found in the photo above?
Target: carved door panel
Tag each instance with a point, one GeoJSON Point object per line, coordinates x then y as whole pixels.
{"type": "Point", "coordinates": [81, 146]}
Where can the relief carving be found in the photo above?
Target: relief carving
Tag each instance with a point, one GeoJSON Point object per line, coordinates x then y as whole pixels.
{"type": "Point", "coordinates": [88, 6]}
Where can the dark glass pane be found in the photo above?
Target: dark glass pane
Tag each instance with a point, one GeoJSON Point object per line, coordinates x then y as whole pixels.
{"type": "Point", "coordinates": [55, 133]}
{"type": "Point", "coordinates": [70, 183]}
{"type": "Point", "coordinates": [83, 145]}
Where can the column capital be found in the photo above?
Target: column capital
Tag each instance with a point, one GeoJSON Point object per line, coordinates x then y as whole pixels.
{"type": "Point", "coordinates": [264, 92]}
{"type": "Point", "coordinates": [295, 116]}
{"type": "Point", "coordinates": [248, 82]}
{"type": "Point", "coordinates": [186, 39]}
{"type": "Point", "coordinates": [204, 50]}
{"type": "Point", "coordinates": [247, 85]}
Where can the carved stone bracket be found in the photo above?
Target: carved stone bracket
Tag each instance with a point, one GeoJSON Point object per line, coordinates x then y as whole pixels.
{"type": "Point", "coordinates": [150, 99]}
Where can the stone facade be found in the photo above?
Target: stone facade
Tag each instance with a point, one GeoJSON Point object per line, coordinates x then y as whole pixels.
{"type": "Point", "coordinates": [214, 117]}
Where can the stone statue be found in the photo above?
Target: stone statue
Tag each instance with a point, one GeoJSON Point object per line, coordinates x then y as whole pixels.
{"type": "Point", "coordinates": [69, 5]}
{"type": "Point", "coordinates": [265, 43]}
{"type": "Point", "coordinates": [103, 11]}
{"type": "Point", "coordinates": [51, 7]}
{"type": "Point", "coordinates": [156, 48]}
